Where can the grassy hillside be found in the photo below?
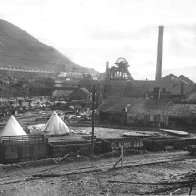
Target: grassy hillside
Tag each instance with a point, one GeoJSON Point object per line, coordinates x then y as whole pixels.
{"type": "Point", "coordinates": [19, 49]}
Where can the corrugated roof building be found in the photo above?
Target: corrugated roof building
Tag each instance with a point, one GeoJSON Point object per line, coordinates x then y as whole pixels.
{"type": "Point", "coordinates": [145, 111]}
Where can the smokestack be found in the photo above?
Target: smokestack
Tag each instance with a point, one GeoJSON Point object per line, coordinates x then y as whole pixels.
{"type": "Point", "coordinates": [159, 54]}
{"type": "Point", "coordinates": [106, 72]}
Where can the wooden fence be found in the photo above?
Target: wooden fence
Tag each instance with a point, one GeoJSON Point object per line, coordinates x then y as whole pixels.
{"type": "Point", "coordinates": [22, 148]}
{"type": "Point", "coordinates": [15, 149]}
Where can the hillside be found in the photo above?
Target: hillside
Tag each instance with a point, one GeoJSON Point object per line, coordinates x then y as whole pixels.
{"type": "Point", "coordinates": [21, 50]}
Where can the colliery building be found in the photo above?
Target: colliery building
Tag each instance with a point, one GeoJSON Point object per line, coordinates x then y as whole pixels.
{"type": "Point", "coordinates": [119, 82]}
{"type": "Point", "coordinates": [171, 86]}
{"type": "Point", "coordinates": [18, 73]}
{"type": "Point", "coordinates": [147, 112]}
{"type": "Point", "coordinates": [147, 102]}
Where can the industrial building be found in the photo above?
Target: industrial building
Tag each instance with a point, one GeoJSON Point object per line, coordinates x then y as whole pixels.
{"type": "Point", "coordinates": [146, 102]}
{"type": "Point", "coordinates": [119, 82]}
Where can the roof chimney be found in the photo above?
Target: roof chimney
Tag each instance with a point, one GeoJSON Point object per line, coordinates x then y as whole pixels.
{"type": "Point", "coordinates": [159, 54]}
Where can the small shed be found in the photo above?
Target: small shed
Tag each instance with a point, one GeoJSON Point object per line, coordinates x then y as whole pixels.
{"type": "Point", "coordinates": [80, 94]}
{"type": "Point", "coordinates": [114, 110]}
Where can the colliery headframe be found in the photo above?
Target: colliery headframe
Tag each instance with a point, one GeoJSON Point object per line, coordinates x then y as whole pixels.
{"type": "Point", "coordinates": [120, 71]}
{"type": "Point", "coordinates": [119, 82]}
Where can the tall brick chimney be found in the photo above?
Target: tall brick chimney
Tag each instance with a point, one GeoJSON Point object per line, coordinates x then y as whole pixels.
{"type": "Point", "coordinates": [106, 72]}
{"type": "Point", "coordinates": [159, 54]}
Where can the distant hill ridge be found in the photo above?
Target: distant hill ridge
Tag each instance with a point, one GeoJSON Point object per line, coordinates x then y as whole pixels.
{"type": "Point", "coordinates": [20, 50]}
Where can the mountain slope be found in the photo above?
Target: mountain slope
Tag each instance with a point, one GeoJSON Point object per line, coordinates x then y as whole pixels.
{"type": "Point", "coordinates": [21, 50]}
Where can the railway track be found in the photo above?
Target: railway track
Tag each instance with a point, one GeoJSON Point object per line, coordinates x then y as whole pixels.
{"type": "Point", "coordinates": [90, 166]}
{"type": "Point", "coordinates": [126, 163]}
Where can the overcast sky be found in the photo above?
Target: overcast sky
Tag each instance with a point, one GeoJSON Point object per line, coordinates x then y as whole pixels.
{"type": "Point", "coordinates": [91, 32]}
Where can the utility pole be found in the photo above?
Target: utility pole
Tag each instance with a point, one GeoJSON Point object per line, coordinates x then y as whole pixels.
{"type": "Point", "coordinates": [93, 118]}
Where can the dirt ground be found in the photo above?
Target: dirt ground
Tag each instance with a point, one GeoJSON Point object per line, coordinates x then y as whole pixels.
{"type": "Point", "coordinates": [40, 117]}
{"type": "Point", "coordinates": [92, 177]}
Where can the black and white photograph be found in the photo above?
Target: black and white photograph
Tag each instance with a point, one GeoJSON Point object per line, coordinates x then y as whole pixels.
{"type": "Point", "coordinates": [97, 97]}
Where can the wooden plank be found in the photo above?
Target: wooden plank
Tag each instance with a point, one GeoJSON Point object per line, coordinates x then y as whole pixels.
{"type": "Point", "coordinates": [176, 132]}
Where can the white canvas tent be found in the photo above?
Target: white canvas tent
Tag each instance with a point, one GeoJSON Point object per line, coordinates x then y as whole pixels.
{"type": "Point", "coordinates": [13, 128]}
{"type": "Point", "coordinates": [55, 126]}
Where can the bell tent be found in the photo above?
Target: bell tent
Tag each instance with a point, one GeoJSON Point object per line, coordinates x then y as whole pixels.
{"type": "Point", "coordinates": [12, 128]}
{"type": "Point", "coordinates": [55, 126]}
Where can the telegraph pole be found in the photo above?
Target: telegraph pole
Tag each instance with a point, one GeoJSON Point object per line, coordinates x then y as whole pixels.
{"type": "Point", "coordinates": [93, 118]}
